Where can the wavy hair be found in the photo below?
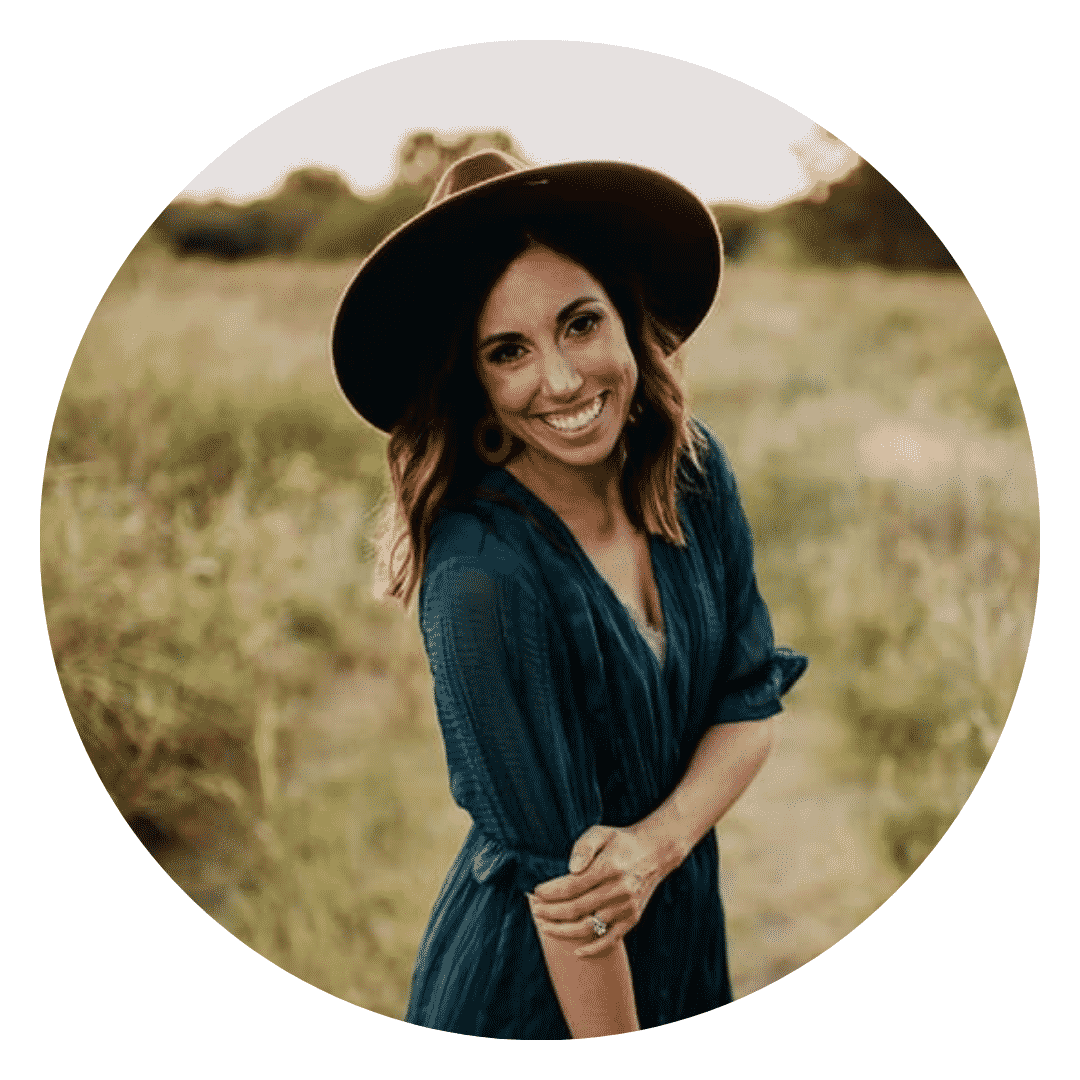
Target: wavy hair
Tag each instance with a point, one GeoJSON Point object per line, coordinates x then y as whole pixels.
{"type": "Point", "coordinates": [431, 456]}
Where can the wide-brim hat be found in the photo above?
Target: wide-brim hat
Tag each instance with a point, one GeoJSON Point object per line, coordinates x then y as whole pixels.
{"type": "Point", "coordinates": [406, 291]}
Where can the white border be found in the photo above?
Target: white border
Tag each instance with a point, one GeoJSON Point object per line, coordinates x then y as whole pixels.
{"type": "Point", "coordinates": [112, 108]}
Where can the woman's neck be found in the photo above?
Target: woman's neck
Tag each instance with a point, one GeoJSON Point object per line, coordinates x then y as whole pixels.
{"type": "Point", "coordinates": [589, 500]}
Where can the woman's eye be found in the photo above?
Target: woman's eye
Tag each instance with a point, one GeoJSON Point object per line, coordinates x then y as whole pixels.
{"type": "Point", "coordinates": [582, 324]}
{"type": "Point", "coordinates": [504, 354]}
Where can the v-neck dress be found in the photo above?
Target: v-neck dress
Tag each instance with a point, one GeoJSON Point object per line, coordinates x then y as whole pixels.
{"type": "Point", "coordinates": [558, 715]}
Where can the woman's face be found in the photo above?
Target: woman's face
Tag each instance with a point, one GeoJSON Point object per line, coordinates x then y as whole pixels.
{"type": "Point", "coordinates": [553, 358]}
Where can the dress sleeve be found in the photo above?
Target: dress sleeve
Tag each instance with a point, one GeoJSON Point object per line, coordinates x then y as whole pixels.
{"type": "Point", "coordinates": [518, 763]}
{"type": "Point", "coordinates": [754, 673]}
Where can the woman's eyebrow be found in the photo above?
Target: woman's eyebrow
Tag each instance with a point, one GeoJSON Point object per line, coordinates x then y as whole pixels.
{"type": "Point", "coordinates": [564, 314]}
{"type": "Point", "coordinates": [491, 339]}
{"type": "Point", "coordinates": [570, 308]}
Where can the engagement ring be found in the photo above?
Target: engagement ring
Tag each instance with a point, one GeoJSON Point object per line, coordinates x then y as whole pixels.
{"type": "Point", "coordinates": [599, 927]}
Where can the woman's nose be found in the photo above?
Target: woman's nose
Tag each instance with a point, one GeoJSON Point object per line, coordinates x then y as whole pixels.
{"type": "Point", "coordinates": [560, 376]}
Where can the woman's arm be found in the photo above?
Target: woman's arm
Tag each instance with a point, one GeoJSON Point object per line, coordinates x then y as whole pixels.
{"type": "Point", "coordinates": [596, 993]}
{"type": "Point", "coordinates": [614, 872]}
{"type": "Point", "coordinates": [724, 762]}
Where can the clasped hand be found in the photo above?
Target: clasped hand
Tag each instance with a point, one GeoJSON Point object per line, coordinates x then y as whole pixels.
{"type": "Point", "coordinates": [614, 873]}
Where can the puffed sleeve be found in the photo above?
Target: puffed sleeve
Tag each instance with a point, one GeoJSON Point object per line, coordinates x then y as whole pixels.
{"type": "Point", "coordinates": [516, 758]}
{"type": "Point", "coordinates": [754, 673]}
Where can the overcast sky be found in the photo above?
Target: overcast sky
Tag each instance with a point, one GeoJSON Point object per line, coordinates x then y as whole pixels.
{"type": "Point", "coordinates": [561, 101]}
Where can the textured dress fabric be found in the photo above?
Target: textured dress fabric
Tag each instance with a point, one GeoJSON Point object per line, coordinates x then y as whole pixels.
{"type": "Point", "coordinates": [558, 715]}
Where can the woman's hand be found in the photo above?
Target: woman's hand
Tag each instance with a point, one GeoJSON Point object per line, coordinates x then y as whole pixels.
{"type": "Point", "coordinates": [614, 873]}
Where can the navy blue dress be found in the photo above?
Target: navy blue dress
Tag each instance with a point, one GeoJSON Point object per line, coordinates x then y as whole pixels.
{"type": "Point", "coordinates": [557, 715]}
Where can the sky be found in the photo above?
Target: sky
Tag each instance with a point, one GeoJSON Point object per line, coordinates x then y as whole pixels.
{"type": "Point", "coordinates": [561, 101]}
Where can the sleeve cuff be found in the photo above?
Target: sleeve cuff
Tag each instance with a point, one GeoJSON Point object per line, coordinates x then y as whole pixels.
{"type": "Point", "coordinates": [758, 697]}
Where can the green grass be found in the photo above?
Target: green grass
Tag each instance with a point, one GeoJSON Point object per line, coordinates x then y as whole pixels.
{"type": "Point", "coordinates": [267, 725]}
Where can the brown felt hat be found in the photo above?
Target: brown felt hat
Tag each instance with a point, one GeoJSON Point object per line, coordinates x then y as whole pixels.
{"type": "Point", "coordinates": [407, 289]}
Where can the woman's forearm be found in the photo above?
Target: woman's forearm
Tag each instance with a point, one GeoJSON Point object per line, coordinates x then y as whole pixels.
{"type": "Point", "coordinates": [595, 993]}
{"type": "Point", "coordinates": [726, 759]}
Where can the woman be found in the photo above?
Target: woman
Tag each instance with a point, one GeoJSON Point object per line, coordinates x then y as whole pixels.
{"type": "Point", "coordinates": [603, 664]}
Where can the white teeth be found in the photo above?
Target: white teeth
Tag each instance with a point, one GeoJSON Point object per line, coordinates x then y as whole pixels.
{"type": "Point", "coordinates": [578, 420]}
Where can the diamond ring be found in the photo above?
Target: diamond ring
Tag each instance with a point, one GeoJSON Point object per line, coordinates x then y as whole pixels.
{"type": "Point", "coordinates": [599, 927]}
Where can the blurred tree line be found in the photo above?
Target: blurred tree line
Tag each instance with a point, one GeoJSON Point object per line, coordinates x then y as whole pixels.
{"type": "Point", "coordinates": [861, 218]}
{"type": "Point", "coordinates": [314, 214]}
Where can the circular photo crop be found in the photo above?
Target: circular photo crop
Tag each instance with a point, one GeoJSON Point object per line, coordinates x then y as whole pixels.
{"type": "Point", "coordinates": [496, 606]}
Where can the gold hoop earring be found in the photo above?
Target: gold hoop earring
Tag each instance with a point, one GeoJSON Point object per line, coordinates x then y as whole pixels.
{"type": "Point", "coordinates": [492, 441]}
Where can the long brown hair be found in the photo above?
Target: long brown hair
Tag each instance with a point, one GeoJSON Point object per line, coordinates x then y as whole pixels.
{"type": "Point", "coordinates": [431, 455]}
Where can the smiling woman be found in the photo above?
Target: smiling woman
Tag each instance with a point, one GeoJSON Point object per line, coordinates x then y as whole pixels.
{"type": "Point", "coordinates": [603, 662]}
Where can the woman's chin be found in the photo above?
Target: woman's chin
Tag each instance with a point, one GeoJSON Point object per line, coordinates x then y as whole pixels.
{"type": "Point", "coordinates": [586, 455]}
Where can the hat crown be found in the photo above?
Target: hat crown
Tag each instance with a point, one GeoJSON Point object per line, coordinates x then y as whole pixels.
{"type": "Point", "coordinates": [475, 169]}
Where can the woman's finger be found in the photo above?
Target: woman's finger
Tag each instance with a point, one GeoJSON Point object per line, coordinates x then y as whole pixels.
{"type": "Point", "coordinates": [584, 929]}
{"type": "Point", "coordinates": [604, 944]}
{"type": "Point", "coordinates": [564, 911]}
{"type": "Point", "coordinates": [581, 931]}
{"type": "Point", "coordinates": [588, 846]}
{"type": "Point", "coordinates": [570, 886]}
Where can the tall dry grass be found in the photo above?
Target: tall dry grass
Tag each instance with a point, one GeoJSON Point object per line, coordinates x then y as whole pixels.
{"type": "Point", "coordinates": [267, 726]}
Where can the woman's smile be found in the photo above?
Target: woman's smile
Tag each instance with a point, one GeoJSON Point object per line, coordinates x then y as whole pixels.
{"type": "Point", "coordinates": [573, 422]}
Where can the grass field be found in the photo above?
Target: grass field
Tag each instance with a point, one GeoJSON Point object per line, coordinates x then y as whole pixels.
{"type": "Point", "coordinates": [266, 725]}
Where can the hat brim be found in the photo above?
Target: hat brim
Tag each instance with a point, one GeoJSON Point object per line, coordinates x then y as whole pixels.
{"type": "Point", "coordinates": [404, 287]}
